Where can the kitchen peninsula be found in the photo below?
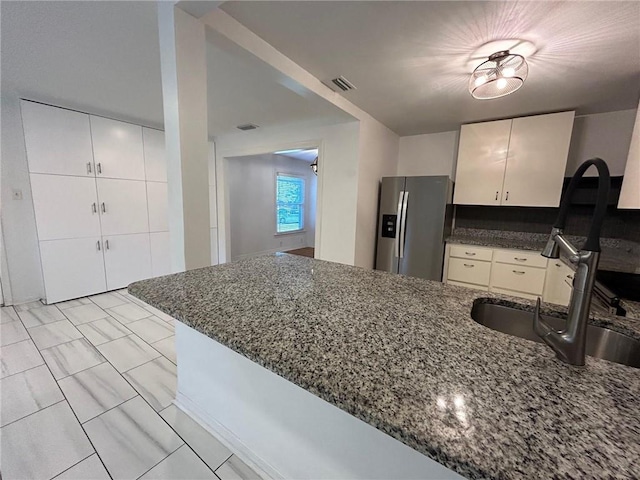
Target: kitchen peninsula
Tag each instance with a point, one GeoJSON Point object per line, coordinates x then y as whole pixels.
{"type": "Point", "coordinates": [399, 354]}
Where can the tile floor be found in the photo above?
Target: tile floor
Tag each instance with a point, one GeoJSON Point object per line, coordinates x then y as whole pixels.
{"type": "Point", "coordinates": [86, 393]}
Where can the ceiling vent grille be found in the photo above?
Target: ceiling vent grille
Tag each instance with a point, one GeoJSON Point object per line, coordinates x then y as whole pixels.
{"type": "Point", "coordinates": [343, 84]}
{"type": "Point", "coordinates": [247, 126]}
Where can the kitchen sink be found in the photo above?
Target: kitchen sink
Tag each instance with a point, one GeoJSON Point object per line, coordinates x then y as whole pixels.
{"type": "Point", "coordinates": [601, 342]}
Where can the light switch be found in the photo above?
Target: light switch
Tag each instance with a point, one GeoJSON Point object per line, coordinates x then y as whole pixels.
{"type": "Point", "coordinates": [17, 194]}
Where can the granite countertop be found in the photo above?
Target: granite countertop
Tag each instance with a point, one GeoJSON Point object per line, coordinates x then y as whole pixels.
{"type": "Point", "coordinates": [617, 255]}
{"type": "Point", "coordinates": [404, 355]}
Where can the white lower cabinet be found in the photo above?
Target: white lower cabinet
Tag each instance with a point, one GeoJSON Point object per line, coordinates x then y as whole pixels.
{"type": "Point", "coordinates": [558, 284]}
{"type": "Point", "coordinates": [127, 259]}
{"type": "Point", "coordinates": [160, 254]}
{"type": "Point", "coordinates": [528, 280]}
{"type": "Point", "coordinates": [72, 268]}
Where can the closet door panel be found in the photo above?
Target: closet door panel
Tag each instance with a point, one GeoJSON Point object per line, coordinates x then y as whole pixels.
{"type": "Point", "coordinates": [65, 207]}
{"type": "Point", "coordinates": [155, 160]}
{"type": "Point", "coordinates": [160, 256]}
{"type": "Point", "coordinates": [158, 203]}
{"type": "Point", "coordinates": [122, 206]}
{"type": "Point", "coordinates": [117, 149]}
{"type": "Point", "coordinates": [58, 141]}
{"type": "Point", "coordinates": [127, 259]}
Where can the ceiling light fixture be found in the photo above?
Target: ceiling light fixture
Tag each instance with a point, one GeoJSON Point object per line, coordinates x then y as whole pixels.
{"type": "Point", "coordinates": [503, 73]}
{"type": "Point", "coordinates": [314, 166]}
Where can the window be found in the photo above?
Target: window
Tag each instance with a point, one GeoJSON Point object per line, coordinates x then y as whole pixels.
{"type": "Point", "coordinates": [289, 203]}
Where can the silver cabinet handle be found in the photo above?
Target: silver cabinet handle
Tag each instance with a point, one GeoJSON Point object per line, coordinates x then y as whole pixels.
{"type": "Point", "coordinates": [558, 265]}
{"type": "Point", "coordinates": [471, 254]}
{"type": "Point", "coordinates": [98, 245]}
{"type": "Point", "coordinates": [103, 207]}
{"type": "Point", "coordinates": [106, 244]}
{"type": "Point", "coordinates": [520, 259]}
{"type": "Point", "coordinates": [88, 167]}
{"type": "Point", "coordinates": [570, 277]}
{"type": "Point", "coordinates": [518, 272]}
{"type": "Point", "coordinates": [507, 198]}
{"type": "Point", "coordinates": [99, 168]}
{"type": "Point", "coordinates": [94, 208]}
{"type": "Point", "coordinates": [468, 265]}
{"type": "Point", "coordinates": [497, 195]}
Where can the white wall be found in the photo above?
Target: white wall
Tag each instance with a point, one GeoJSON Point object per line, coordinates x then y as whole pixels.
{"type": "Point", "coordinates": [430, 154]}
{"type": "Point", "coordinates": [251, 184]}
{"type": "Point", "coordinates": [604, 135]}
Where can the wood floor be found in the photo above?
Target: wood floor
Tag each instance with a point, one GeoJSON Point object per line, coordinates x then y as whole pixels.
{"type": "Point", "coordinates": [303, 252]}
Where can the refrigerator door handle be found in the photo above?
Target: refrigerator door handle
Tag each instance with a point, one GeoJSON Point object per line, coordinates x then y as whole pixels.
{"type": "Point", "coordinates": [399, 225]}
{"type": "Point", "coordinates": [403, 223]}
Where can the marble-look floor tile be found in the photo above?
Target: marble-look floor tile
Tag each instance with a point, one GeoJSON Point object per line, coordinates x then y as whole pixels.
{"type": "Point", "coordinates": [8, 314]}
{"type": "Point", "coordinates": [151, 329]}
{"type": "Point", "coordinates": [236, 469]}
{"type": "Point", "coordinates": [167, 347]}
{"type": "Point", "coordinates": [73, 303]}
{"type": "Point", "coordinates": [88, 469]}
{"type": "Point", "coordinates": [159, 314]}
{"type": "Point", "coordinates": [27, 392]}
{"type": "Point", "coordinates": [128, 313]}
{"type": "Point", "coordinates": [155, 381]}
{"type": "Point", "coordinates": [130, 298]}
{"type": "Point", "coordinates": [71, 357]}
{"type": "Point", "coordinates": [131, 438]}
{"type": "Point", "coordinates": [107, 300]}
{"type": "Point", "coordinates": [127, 352]}
{"type": "Point", "coordinates": [28, 306]}
{"type": "Point", "coordinates": [85, 313]}
{"type": "Point", "coordinates": [19, 357]}
{"type": "Point", "coordinates": [181, 464]}
{"type": "Point", "coordinates": [41, 316]}
{"type": "Point", "coordinates": [95, 390]}
{"type": "Point", "coordinates": [203, 443]}
{"type": "Point", "coordinates": [53, 334]}
{"type": "Point", "coordinates": [103, 330]}
{"type": "Point", "coordinates": [43, 445]}
{"type": "Point", "coordinates": [12, 332]}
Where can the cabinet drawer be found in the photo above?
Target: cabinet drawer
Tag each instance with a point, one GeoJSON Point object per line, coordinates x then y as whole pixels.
{"type": "Point", "coordinates": [518, 257]}
{"type": "Point", "coordinates": [469, 271]}
{"type": "Point", "coordinates": [472, 253]}
{"type": "Point", "coordinates": [518, 278]}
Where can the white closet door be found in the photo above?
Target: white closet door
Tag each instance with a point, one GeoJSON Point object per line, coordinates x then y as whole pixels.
{"type": "Point", "coordinates": [158, 203]}
{"type": "Point", "coordinates": [66, 207]}
{"type": "Point", "coordinates": [117, 149]}
{"type": "Point", "coordinates": [537, 160]}
{"type": "Point", "coordinates": [72, 268]}
{"type": "Point", "coordinates": [482, 155]}
{"type": "Point", "coordinates": [160, 255]}
{"type": "Point", "coordinates": [58, 141]}
{"type": "Point", "coordinates": [127, 259]}
{"type": "Point", "coordinates": [155, 160]}
{"type": "Point", "coordinates": [122, 206]}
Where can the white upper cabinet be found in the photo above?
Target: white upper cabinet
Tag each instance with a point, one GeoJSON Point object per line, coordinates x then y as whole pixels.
{"type": "Point", "coordinates": [117, 149]}
{"type": "Point", "coordinates": [127, 259]}
{"type": "Point", "coordinates": [122, 206]}
{"type": "Point", "coordinates": [158, 202]}
{"type": "Point", "coordinates": [482, 157]}
{"type": "Point", "coordinates": [58, 141]}
{"type": "Point", "coordinates": [518, 162]}
{"type": "Point", "coordinates": [155, 160]}
{"type": "Point", "coordinates": [65, 206]}
{"type": "Point", "coordinates": [537, 160]}
{"type": "Point", "coordinates": [630, 193]}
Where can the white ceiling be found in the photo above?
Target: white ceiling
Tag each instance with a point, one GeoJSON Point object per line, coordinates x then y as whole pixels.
{"type": "Point", "coordinates": [409, 60]}
{"type": "Point", "coordinates": [103, 57]}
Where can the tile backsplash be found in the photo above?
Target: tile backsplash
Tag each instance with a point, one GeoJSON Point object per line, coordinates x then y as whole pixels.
{"type": "Point", "coordinates": [623, 224]}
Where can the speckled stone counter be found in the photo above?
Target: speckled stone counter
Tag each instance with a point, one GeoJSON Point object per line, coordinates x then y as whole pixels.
{"type": "Point", "coordinates": [617, 255]}
{"type": "Point", "coordinates": [404, 355]}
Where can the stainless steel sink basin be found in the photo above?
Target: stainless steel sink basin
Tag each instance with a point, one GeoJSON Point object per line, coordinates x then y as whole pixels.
{"type": "Point", "coordinates": [601, 342]}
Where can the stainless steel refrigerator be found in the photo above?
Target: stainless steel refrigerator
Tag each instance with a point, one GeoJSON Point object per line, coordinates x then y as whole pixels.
{"type": "Point", "coordinates": [414, 217]}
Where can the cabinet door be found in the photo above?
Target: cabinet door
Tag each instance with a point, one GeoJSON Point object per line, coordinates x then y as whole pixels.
{"type": "Point", "coordinates": [482, 155]}
{"type": "Point", "coordinates": [558, 283]}
{"type": "Point", "coordinates": [117, 149]}
{"type": "Point", "coordinates": [537, 160]}
{"type": "Point", "coordinates": [160, 255]}
{"type": "Point", "coordinates": [155, 160]}
{"type": "Point", "coordinates": [58, 141]}
{"type": "Point", "coordinates": [158, 203]}
{"type": "Point", "coordinates": [122, 206]}
{"type": "Point", "coordinates": [127, 259]}
{"type": "Point", "coordinates": [72, 268]}
{"type": "Point", "coordinates": [65, 207]}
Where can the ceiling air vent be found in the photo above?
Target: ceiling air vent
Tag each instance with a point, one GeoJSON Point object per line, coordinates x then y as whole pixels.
{"type": "Point", "coordinates": [342, 83]}
{"type": "Point", "coordinates": [247, 126]}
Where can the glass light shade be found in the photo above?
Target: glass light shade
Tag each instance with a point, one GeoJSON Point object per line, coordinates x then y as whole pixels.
{"type": "Point", "coordinates": [314, 166]}
{"type": "Point", "coordinates": [503, 73]}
